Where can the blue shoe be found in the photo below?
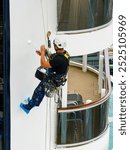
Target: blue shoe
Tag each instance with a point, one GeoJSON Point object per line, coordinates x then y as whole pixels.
{"type": "Point", "coordinates": [24, 108]}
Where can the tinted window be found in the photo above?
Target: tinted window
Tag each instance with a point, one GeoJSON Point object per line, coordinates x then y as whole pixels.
{"type": "Point", "coordinates": [83, 14]}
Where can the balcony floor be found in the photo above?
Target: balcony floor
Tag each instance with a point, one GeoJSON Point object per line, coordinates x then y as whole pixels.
{"type": "Point", "coordinates": [84, 83]}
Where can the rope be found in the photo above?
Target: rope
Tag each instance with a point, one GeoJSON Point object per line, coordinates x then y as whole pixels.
{"type": "Point", "coordinates": [47, 13]}
{"type": "Point", "coordinates": [50, 122]}
{"type": "Point", "coordinates": [46, 123]}
{"type": "Point", "coordinates": [48, 103]}
{"type": "Point", "coordinates": [45, 38]}
{"type": "Point", "coordinates": [43, 21]}
{"type": "Point", "coordinates": [48, 110]}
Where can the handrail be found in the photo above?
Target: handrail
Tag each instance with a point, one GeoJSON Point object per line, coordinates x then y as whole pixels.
{"type": "Point", "coordinates": [98, 102]}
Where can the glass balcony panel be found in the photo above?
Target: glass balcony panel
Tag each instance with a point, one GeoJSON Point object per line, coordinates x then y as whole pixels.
{"type": "Point", "coordinates": [83, 125]}
{"type": "Point", "coordinates": [83, 14]}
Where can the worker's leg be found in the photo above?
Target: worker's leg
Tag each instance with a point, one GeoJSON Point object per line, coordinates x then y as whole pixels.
{"type": "Point", "coordinates": [38, 95]}
{"type": "Point", "coordinates": [36, 99]}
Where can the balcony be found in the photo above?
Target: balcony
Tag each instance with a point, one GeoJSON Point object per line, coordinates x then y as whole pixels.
{"type": "Point", "coordinates": [84, 122]}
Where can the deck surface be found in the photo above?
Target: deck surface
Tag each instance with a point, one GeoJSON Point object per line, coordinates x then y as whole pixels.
{"type": "Point", "coordinates": [84, 83]}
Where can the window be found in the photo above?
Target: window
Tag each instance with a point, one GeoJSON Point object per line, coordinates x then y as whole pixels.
{"type": "Point", "coordinates": [83, 14]}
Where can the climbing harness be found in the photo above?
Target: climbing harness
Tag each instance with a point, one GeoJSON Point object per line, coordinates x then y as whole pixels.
{"type": "Point", "coordinates": [52, 81]}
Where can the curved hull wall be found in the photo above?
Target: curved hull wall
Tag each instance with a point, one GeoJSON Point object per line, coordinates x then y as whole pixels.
{"type": "Point", "coordinates": [90, 42]}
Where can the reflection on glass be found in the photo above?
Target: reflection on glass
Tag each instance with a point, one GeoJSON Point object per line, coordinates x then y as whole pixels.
{"type": "Point", "coordinates": [83, 125]}
{"type": "Point", "coordinates": [83, 14]}
{"type": "Point", "coordinates": [92, 59]}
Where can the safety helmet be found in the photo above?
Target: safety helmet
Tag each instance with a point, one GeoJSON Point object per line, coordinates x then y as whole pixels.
{"type": "Point", "coordinates": [59, 44]}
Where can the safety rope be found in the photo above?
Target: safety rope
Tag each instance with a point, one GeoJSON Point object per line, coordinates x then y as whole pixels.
{"type": "Point", "coordinates": [50, 123]}
{"type": "Point", "coordinates": [48, 120]}
{"type": "Point", "coordinates": [48, 103]}
{"type": "Point", "coordinates": [45, 38]}
{"type": "Point", "coordinates": [46, 124]}
{"type": "Point", "coordinates": [43, 21]}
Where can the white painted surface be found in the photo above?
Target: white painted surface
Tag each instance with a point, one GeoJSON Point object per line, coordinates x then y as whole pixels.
{"type": "Point", "coordinates": [28, 132]}
{"type": "Point", "coordinates": [84, 61]}
{"type": "Point", "coordinates": [100, 76]}
{"type": "Point", "coordinates": [86, 43]}
{"type": "Point", "coordinates": [64, 96]}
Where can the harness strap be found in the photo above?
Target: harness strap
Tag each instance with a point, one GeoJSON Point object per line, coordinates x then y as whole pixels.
{"type": "Point", "coordinates": [66, 55]}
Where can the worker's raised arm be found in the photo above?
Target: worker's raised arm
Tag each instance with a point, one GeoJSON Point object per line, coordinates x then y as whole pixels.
{"type": "Point", "coordinates": [44, 62]}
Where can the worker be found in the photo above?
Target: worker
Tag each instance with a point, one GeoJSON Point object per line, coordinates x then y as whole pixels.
{"type": "Point", "coordinates": [57, 67]}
